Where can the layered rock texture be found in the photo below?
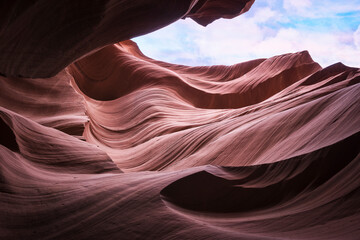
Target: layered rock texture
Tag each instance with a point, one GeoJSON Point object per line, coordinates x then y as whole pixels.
{"type": "Point", "coordinates": [99, 141]}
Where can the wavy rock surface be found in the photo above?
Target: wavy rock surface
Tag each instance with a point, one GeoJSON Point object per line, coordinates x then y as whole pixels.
{"type": "Point", "coordinates": [312, 196]}
{"type": "Point", "coordinates": [52, 102]}
{"type": "Point", "coordinates": [121, 146]}
{"type": "Point", "coordinates": [166, 116]}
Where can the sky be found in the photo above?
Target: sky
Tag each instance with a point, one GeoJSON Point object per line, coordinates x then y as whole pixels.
{"type": "Point", "coordinates": [328, 29]}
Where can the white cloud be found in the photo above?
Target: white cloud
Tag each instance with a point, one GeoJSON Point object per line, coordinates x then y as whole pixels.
{"type": "Point", "coordinates": [319, 9]}
{"type": "Point", "coordinates": [244, 40]}
{"type": "Point", "coordinates": [325, 48]}
{"type": "Point", "coordinates": [357, 38]}
{"type": "Point", "coordinates": [265, 14]}
{"type": "Point", "coordinates": [257, 35]}
{"type": "Point", "coordinates": [297, 5]}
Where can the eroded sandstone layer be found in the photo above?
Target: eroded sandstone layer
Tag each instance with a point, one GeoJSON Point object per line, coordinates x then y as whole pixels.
{"type": "Point", "coordinates": [99, 141]}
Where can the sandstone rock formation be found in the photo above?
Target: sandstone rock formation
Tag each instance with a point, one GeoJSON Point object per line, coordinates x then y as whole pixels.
{"type": "Point", "coordinates": [99, 141]}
